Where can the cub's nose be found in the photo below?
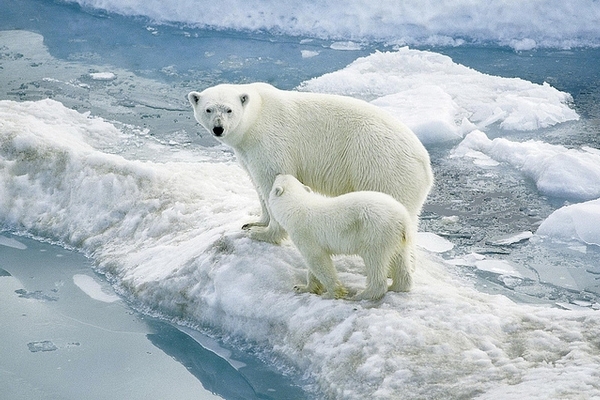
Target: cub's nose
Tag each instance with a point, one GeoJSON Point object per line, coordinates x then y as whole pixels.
{"type": "Point", "coordinates": [218, 131]}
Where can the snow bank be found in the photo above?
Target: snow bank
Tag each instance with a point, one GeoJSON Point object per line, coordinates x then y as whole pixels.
{"type": "Point", "coordinates": [556, 170]}
{"type": "Point", "coordinates": [521, 25]}
{"type": "Point", "coordinates": [577, 222]}
{"type": "Point", "coordinates": [441, 100]}
{"type": "Point", "coordinates": [169, 234]}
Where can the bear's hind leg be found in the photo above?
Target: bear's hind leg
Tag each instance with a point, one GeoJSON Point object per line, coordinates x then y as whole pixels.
{"type": "Point", "coordinates": [376, 268]}
{"type": "Point", "coordinates": [401, 269]}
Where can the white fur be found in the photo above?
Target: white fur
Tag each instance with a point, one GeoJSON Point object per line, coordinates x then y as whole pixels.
{"type": "Point", "coordinates": [334, 144]}
{"type": "Point", "coordinates": [371, 224]}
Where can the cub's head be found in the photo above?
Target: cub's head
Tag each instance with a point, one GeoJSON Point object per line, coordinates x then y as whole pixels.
{"type": "Point", "coordinates": [220, 110]}
{"type": "Point", "coordinates": [287, 185]}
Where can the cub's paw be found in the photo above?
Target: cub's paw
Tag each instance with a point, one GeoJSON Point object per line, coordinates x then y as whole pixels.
{"type": "Point", "coordinates": [367, 295]}
{"type": "Point", "coordinates": [403, 283]}
{"type": "Point", "coordinates": [307, 289]}
{"type": "Point", "coordinates": [339, 292]}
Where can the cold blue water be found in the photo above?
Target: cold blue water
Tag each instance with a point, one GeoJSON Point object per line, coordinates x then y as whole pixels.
{"type": "Point", "coordinates": [166, 62]}
{"type": "Point", "coordinates": [58, 330]}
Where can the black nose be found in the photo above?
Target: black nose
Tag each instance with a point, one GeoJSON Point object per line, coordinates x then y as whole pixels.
{"type": "Point", "coordinates": [218, 131]}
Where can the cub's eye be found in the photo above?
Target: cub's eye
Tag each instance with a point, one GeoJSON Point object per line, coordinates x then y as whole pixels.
{"type": "Point", "coordinates": [208, 110]}
{"type": "Point", "coordinates": [229, 111]}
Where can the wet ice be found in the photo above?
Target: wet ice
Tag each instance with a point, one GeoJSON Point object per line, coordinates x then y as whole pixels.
{"type": "Point", "coordinates": [45, 345]}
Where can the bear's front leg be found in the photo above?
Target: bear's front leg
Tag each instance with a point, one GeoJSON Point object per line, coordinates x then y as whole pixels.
{"type": "Point", "coordinates": [264, 220]}
{"type": "Point", "coordinates": [273, 233]}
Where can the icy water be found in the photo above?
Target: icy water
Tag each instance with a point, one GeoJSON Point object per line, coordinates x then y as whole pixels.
{"type": "Point", "coordinates": [135, 75]}
{"type": "Point", "coordinates": [67, 335]}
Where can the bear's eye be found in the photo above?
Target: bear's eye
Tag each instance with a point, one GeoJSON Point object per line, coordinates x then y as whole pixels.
{"type": "Point", "coordinates": [229, 111]}
{"type": "Point", "coordinates": [208, 110]}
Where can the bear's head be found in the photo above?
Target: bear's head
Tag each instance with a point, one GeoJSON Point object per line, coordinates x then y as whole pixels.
{"type": "Point", "coordinates": [288, 184]}
{"type": "Point", "coordinates": [220, 110]}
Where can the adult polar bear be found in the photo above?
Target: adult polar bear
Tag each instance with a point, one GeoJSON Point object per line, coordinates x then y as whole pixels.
{"type": "Point", "coordinates": [334, 144]}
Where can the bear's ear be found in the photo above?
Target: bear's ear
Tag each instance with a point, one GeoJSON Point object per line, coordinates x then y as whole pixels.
{"type": "Point", "coordinates": [278, 190]}
{"type": "Point", "coordinates": [194, 98]}
{"type": "Point", "coordinates": [244, 99]}
{"type": "Point", "coordinates": [309, 190]}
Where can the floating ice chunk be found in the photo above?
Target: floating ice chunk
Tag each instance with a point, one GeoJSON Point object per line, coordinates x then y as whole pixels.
{"type": "Point", "coordinates": [557, 171]}
{"type": "Point", "coordinates": [523, 44]}
{"type": "Point", "coordinates": [579, 222]}
{"type": "Point", "coordinates": [479, 158]}
{"type": "Point", "coordinates": [309, 53]}
{"type": "Point", "coordinates": [345, 46]}
{"type": "Point", "coordinates": [433, 243]}
{"type": "Point", "coordinates": [441, 100]}
{"type": "Point", "coordinates": [35, 295]}
{"type": "Point", "coordinates": [45, 345]}
{"type": "Point", "coordinates": [449, 220]}
{"type": "Point", "coordinates": [93, 289]}
{"type": "Point", "coordinates": [10, 242]}
{"type": "Point", "coordinates": [103, 76]}
{"type": "Point", "coordinates": [468, 260]}
{"type": "Point", "coordinates": [432, 121]}
{"type": "Point", "coordinates": [501, 267]}
{"type": "Point", "coordinates": [515, 238]}
{"type": "Point", "coordinates": [212, 345]}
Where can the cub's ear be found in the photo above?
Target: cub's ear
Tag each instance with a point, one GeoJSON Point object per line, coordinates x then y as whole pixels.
{"type": "Point", "coordinates": [194, 98]}
{"type": "Point", "coordinates": [278, 190]}
{"type": "Point", "coordinates": [309, 190]}
{"type": "Point", "coordinates": [244, 99]}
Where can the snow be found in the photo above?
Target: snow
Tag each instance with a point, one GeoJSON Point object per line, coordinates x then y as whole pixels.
{"type": "Point", "coordinates": [557, 171]}
{"type": "Point", "coordinates": [521, 25]}
{"type": "Point", "coordinates": [169, 235]}
{"type": "Point", "coordinates": [441, 100]}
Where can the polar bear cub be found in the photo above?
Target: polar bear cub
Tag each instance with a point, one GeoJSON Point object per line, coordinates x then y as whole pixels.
{"type": "Point", "coordinates": [371, 224]}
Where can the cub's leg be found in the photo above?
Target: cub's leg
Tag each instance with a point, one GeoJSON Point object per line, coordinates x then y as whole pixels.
{"type": "Point", "coordinates": [313, 286]}
{"type": "Point", "coordinates": [322, 269]}
{"type": "Point", "coordinates": [376, 268]}
{"type": "Point", "coordinates": [402, 268]}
